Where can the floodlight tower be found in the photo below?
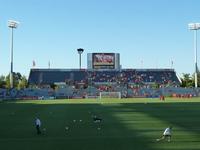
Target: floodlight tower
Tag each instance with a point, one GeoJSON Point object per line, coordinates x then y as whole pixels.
{"type": "Point", "coordinates": [195, 27]}
{"type": "Point", "coordinates": [12, 25]}
{"type": "Point", "coordinates": [80, 51]}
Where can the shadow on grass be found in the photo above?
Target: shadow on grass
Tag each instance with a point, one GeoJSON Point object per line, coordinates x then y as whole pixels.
{"type": "Point", "coordinates": [18, 131]}
{"type": "Point", "coordinates": [124, 126]}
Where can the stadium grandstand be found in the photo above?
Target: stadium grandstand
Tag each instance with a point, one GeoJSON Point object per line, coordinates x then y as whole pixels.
{"type": "Point", "coordinates": [46, 77]}
{"type": "Point", "coordinates": [103, 75]}
{"type": "Point", "coordinates": [82, 83]}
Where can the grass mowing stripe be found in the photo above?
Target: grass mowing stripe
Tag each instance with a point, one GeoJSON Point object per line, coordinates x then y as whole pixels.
{"type": "Point", "coordinates": [127, 124]}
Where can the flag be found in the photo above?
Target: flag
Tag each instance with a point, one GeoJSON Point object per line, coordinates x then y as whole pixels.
{"type": "Point", "coordinates": [33, 63]}
{"type": "Point", "coordinates": [49, 64]}
{"type": "Point", "coordinates": [172, 63]}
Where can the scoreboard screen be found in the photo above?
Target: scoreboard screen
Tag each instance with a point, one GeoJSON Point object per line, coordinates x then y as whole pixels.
{"type": "Point", "coordinates": [103, 60]}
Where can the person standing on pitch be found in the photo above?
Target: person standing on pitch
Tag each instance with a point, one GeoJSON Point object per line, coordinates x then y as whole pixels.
{"type": "Point", "coordinates": [166, 134]}
{"type": "Point", "coordinates": [38, 125]}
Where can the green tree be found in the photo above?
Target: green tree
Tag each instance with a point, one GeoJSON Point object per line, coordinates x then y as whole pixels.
{"type": "Point", "coordinates": [187, 80]}
{"type": "Point", "coordinates": [22, 83]}
{"type": "Point", "coordinates": [2, 82]}
{"type": "Point", "coordinates": [8, 81]}
{"type": "Point", "coordinates": [19, 81]}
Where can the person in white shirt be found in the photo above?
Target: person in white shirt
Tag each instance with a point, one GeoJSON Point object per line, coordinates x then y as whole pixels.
{"type": "Point", "coordinates": [38, 125]}
{"type": "Point", "coordinates": [166, 134]}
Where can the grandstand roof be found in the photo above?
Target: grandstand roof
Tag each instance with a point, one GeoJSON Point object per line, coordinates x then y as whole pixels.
{"type": "Point", "coordinates": [51, 76]}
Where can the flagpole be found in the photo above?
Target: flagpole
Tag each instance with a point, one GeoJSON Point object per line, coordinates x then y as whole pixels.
{"type": "Point", "coordinates": [33, 65]}
{"type": "Point", "coordinates": [172, 63]}
{"type": "Point", "coordinates": [49, 64]}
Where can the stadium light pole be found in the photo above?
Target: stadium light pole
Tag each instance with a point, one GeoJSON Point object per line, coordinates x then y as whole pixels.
{"type": "Point", "coordinates": [12, 25]}
{"type": "Point", "coordinates": [195, 27]}
{"type": "Point", "coordinates": [80, 51]}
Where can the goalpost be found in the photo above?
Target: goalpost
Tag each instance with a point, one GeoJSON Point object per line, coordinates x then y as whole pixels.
{"type": "Point", "coordinates": [110, 95]}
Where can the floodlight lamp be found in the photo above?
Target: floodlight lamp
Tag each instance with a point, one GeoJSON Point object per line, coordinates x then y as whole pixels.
{"type": "Point", "coordinates": [12, 24]}
{"type": "Point", "coordinates": [80, 50]}
{"type": "Point", "coordinates": [194, 26]}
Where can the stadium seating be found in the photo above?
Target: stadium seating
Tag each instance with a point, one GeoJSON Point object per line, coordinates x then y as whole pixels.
{"type": "Point", "coordinates": [50, 76]}
{"type": "Point", "coordinates": [81, 83]}
{"type": "Point", "coordinates": [75, 83]}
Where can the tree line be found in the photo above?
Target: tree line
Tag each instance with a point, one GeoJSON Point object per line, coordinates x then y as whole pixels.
{"type": "Point", "coordinates": [19, 81]}
{"type": "Point", "coordinates": [188, 80]}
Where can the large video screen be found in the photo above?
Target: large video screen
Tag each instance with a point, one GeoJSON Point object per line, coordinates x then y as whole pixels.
{"type": "Point", "coordinates": [103, 60]}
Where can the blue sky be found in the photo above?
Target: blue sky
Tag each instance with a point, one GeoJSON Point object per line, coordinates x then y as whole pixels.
{"type": "Point", "coordinates": [154, 32]}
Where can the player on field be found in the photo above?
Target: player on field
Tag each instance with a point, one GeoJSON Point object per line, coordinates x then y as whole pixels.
{"type": "Point", "coordinates": [166, 134]}
{"type": "Point", "coordinates": [96, 119]}
{"type": "Point", "coordinates": [38, 125]}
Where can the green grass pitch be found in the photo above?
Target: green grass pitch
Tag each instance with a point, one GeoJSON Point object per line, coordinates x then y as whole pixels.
{"type": "Point", "coordinates": [128, 124]}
